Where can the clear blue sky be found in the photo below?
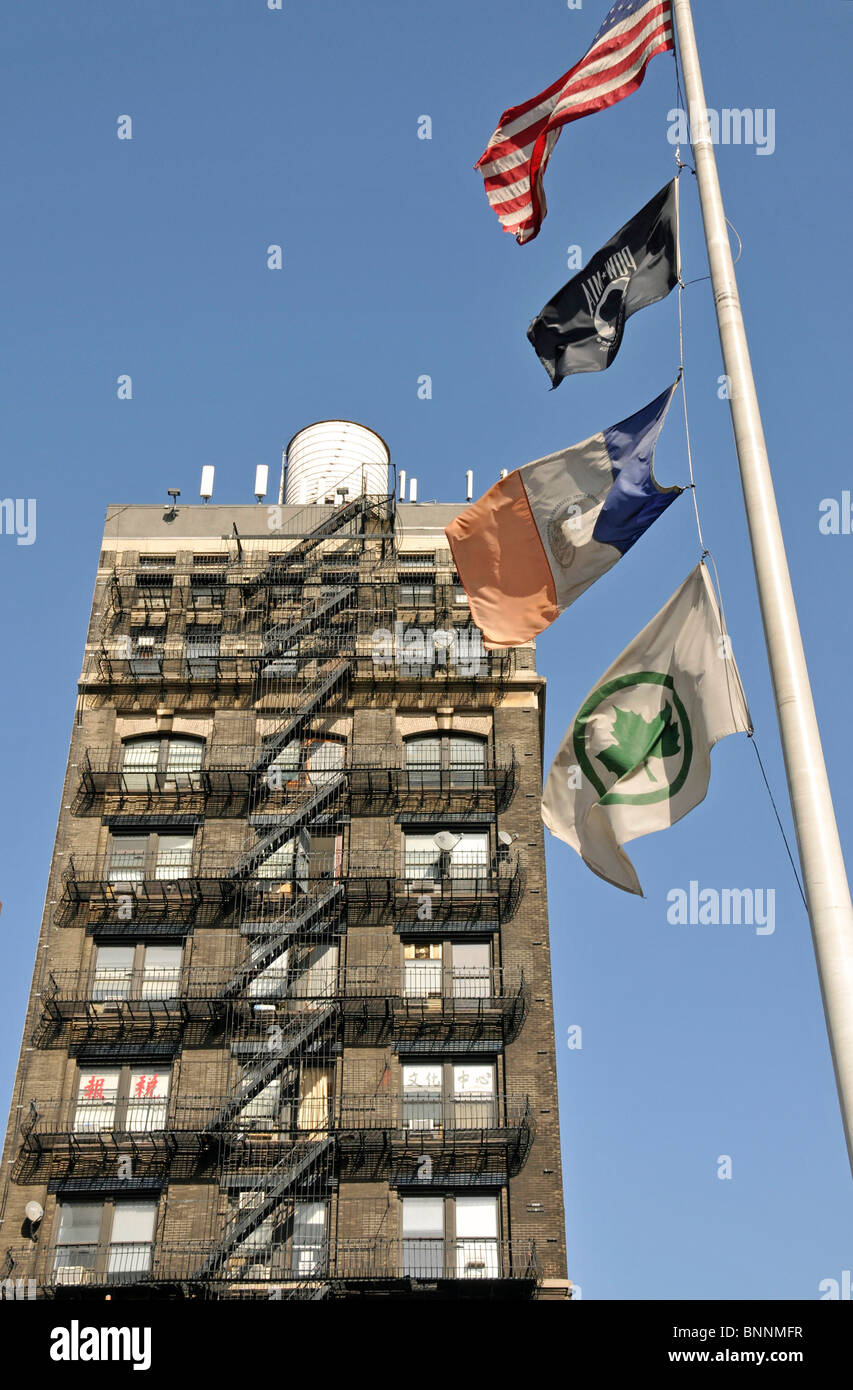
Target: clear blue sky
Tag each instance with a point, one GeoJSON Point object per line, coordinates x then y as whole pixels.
{"type": "Point", "coordinates": [148, 257]}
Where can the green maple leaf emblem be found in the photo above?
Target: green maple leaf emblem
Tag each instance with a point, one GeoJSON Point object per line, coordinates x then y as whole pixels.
{"type": "Point", "coordinates": [637, 740]}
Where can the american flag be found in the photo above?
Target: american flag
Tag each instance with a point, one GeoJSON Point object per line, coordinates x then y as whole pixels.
{"type": "Point", "coordinates": [514, 161]}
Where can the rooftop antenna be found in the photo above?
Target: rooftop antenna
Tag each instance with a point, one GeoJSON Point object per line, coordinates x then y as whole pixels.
{"type": "Point", "coordinates": [206, 489]}
{"type": "Point", "coordinates": [261, 479]}
{"type": "Point", "coordinates": [283, 480]}
{"type": "Point", "coordinates": [504, 472]}
{"type": "Point", "coordinates": [413, 489]}
{"type": "Point", "coordinates": [172, 507]}
{"type": "Point", "coordinates": [469, 484]}
{"type": "Point", "coordinates": [402, 484]}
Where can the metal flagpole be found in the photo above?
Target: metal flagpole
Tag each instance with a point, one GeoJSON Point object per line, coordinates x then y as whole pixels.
{"type": "Point", "coordinates": [824, 876]}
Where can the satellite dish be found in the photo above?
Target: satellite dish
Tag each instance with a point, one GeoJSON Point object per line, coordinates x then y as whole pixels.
{"type": "Point", "coordinates": [446, 840]}
{"type": "Point", "coordinates": [34, 1211]}
{"type": "Point", "coordinates": [506, 838]}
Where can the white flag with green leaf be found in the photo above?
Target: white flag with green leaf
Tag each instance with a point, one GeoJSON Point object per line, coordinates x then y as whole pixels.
{"type": "Point", "coordinates": [637, 756]}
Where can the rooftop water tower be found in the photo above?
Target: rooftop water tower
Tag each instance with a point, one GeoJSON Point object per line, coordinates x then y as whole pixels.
{"type": "Point", "coordinates": [331, 460]}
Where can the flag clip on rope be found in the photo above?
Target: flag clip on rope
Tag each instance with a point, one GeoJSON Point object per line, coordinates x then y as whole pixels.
{"type": "Point", "coordinates": [514, 161]}
{"type": "Point", "coordinates": [538, 538]}
{"type": "Point", "coordinates": [637, 756]}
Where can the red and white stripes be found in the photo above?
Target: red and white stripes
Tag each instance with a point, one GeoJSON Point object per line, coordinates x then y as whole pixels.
{"type": "Point", "coordinates": [514, 161]}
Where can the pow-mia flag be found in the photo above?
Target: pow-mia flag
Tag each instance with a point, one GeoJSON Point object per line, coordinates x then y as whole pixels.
{"type": "Point", "coordinates": [581, 329]}
{"type": "Point", "coordinates": [537, 539]}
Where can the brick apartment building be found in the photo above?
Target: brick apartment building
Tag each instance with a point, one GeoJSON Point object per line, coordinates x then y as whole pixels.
{"type": "Point", "coordinates": [291, 1025]}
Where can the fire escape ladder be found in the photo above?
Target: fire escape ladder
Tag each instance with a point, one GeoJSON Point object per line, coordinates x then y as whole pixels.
{"type": "Point", "coordinates": [283, 635]}
{"type": "Point", "coordinates": [359, 506]}
{"type": "Point", "coordinates": [317, 692]}
{"type": "Point", "coordinates": [287, 826]}
{"type": "Point", "coordinates": [276, 1184]}
{"type": "Point", "coordinates": [255, 1081]}
{"type": "Point", "coordinates": [278, 944]}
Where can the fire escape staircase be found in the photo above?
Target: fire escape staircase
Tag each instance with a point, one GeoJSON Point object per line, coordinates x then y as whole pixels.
{"type": "Point", "coordinates": [275, 1184]}
{"type": "Point", "coordinates": [280, 638]}
{"type": "Point", "coordinates": [281, 935]}
{"type": "Point", "coordinates": [253, 1082]}
{"type": "Point", "coordinates": [318, 691]}
{"type": "Point", "coordinates": [287, 826]}
{"type": "Point", "coordinates": [272, 1188]}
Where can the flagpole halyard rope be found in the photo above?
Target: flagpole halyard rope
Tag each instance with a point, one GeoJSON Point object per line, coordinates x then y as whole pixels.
{"type": "Point", "coordinates": [683, 377]}
{"type": "Point", "coordinates": [752, 740]}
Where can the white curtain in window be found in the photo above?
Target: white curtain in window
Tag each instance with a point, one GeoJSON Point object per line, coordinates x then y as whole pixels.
{"type": "Point", "coordinates": [278, 864]}
{"type": "Point", "coordinates": [422, 1230]}
{"type": "Point", "coordinates": [285, 765]}
{"type": "Point", "coordinates": [467, 758]}
{"type": "Point", "coordinates": [271, 982]}
{"type": "Point", "coordinates": [472, 970]}
{"type": "Point", "coordinates": [79, 1222]}
{"type": "Point", "coordinates": [132, 1237]}
{"type": "Point", "coordinates": [184, 755]}
{"type": "Point", "coordinates": [113, 972]}
{"type": "Point", "coordinates": [309, 1235]}
{"type": "Point", "coordinates": [470, 856]}
{"type": "Point", "coordinates": [422, 978]}
{"type": "Point", "coordinates": [126, 858]}
{"type": "Point", "coordinates": [319, 979]}
{"type": "Point", "coordinates": [79, 1232]}
{"type": "Point", "coordinates": [423, 1106]}
{"type": "Point", "coordinates": [263, 1109]}
{"type": "Point", "coordinates": [477, 1237]}
{"type": "Point", "coordinates": [174, 856]}
{"type": "Point", "coordinates": [423, 762]}
{"type": "Point", "coordinates": [473, 1095]}
{"type": "Point", "coordinates": [422, 857]}
{"type": "Point", "coordinates": [139, 759]}
{"type": "Point", "coordinates": [324, 761]}
{"type": "Point", "coordinates": [161, 975]}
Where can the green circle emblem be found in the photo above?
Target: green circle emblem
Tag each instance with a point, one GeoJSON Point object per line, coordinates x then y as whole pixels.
{"type": "Point", "coordinates": [585, 714]}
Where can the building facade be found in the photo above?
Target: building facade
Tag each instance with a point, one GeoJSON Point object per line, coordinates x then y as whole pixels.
{"type": "Point", "coordinates": [291, 1026]}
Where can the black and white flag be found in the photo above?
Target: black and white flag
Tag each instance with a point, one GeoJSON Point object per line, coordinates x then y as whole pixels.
{"type": "Point", "coordinates": [580, 330]}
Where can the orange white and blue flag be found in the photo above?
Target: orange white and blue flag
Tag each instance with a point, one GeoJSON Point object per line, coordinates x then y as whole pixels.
{"type": "Point", "coordinates": [536, 540]}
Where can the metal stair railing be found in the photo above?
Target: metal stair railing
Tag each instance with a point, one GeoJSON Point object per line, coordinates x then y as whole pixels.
{"type": "Point", "coordinates": [291, 928]}
{"type": "Point", "coordinates": [285, 827]}
{"type": "Point", "coordinates": [298, 1036]}
{"type": "Point", "coordinates": [273, 1186]}
{"type": "Point", "coordinates": [283, 634]}
{"type": "Point", "coordinates": [315, 695]}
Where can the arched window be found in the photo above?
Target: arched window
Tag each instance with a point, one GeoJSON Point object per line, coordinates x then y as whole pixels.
{"type": "Point", "coordinates": [445, 760]}
{"type": "Point", "coordinates": [164, 761]}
